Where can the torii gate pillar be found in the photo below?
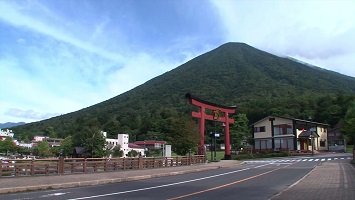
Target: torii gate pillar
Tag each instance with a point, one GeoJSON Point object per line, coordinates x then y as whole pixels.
{"type": "Point", "coordinates": [217, 110]}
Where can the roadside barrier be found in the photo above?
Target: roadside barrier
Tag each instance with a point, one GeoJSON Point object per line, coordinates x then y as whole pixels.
{"type": "Point", "coordinates": [60, 166]}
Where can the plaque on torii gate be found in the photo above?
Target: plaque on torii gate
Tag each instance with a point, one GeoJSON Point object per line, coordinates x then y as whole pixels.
{"type": "Point", "coordinates": [216, 116]}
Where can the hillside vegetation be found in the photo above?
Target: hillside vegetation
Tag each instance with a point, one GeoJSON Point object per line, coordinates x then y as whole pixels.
{"type": "Point", "coordinates": [257, 82]}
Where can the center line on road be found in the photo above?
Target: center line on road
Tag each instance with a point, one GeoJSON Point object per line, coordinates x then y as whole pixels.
{"type": "Point", "coordinates": [167, 185]}
{"type": "Point", "coordinates": [225, 185]}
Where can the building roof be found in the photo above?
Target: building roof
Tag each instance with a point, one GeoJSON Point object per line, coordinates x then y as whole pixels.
{"type": "Point", "coordinates": [135, 146]}
{"type": "Point", "coordinates": [308, 133]}
{"type": "Point", "coordinates": [80, 150]}
{"type": "Point", "coordinates": [289, 118]}
{"type": "Point", "coordinates": [149, 142]}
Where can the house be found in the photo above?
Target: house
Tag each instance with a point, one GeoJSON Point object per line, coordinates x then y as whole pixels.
{"type": "Point", "coordinates": [122, 140]}
{"type": "Point", "coordinates": [53, 142]}
{"type": "Point", "coordinates": [151, 144]}
{"type": "Point", "coordinates": [275, 133]}
{"type": "Point", "coordinates": [336, 142]}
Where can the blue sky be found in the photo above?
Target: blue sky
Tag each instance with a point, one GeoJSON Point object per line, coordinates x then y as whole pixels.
{"type": "Point", "coordinates": [58, 57]}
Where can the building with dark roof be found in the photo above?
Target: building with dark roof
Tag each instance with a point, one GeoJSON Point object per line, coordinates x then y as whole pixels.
{"type": "Point", "coordinates": [275, 133]}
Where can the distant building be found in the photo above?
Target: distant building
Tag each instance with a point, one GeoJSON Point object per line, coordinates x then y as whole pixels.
{"type": "Point", "coordinates": [122, 140]}
{"type": "Point", "coordinates": [336, 142]}
{"type": "Point", "coordinates": [274, 133]}
{"type": "Point", "coordinates": [151, 144]}
{"type": "Point", "coordinates": [6, 133]}
{"type": "Point", "coordinates": [26, 145]}
{"type": "Point", "coordinates": [38, 138]}
{"type": "Point", "coordinates": [53, 142]}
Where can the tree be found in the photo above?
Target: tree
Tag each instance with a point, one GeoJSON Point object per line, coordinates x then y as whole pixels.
{"type": "Point", "coordinates": [50, 132]}
{"type": "Point", "coordinates": [240, 131]}
{"type": "Point", "coordinates": [348, 124]}
{"type": "Point", "coordinates": [117, 152]}
{"type": "Point", "coordinates": [67, 146]}
{"type": "Point", "coordinates": [7, 145]}
{"type": "Point", "coordinates": [132, 153]}
{"type": "Point", "coordinates": [42, 149]}
{"type": "Point", "coordinates": [92, 140]}
{"type": "Point", "coordinates": [184, 136]}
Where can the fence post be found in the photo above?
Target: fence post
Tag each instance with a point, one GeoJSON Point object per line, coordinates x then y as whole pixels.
{"type": "Point", "coordinates": [124, 164]}
{"type": "Point", "coordinates": [140, 162]}
{"type": "Point", "coordinates": [32, 167]}
{"type": "Point", "coordinates": [84, 165]}
{"type": "Point", "coordinates": [61, 165]}
{"type": "Point", "coordinates": [105, 166]}
{"type": "Point", "coordinates": [46, 169]}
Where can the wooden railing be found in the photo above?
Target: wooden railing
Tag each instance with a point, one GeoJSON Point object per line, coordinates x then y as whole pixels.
{"type": "Point", "coordinates": [33, 167]}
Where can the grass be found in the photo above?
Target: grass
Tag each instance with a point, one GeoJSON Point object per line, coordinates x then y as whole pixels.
{"type": "Point", "coordinates": [349, 148]}
{"type": "Point", "coordinates": [219, 155]}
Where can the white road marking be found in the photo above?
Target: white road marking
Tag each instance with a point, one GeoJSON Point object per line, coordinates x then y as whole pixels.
{"type": "Point", "coordinates": [54, 194]}
{"type": "Point", "coordinates": [166, 185]}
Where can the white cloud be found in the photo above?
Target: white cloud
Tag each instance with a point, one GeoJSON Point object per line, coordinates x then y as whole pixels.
{"type": "Point", "coordinates": [313, 31]}
{"type": "Point", "coordinates": [29, 114]}
{"type": "Point", "coordinates": [11, 13]}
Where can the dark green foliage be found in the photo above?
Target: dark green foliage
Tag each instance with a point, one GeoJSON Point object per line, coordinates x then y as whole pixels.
{"type": "Point", "coordinates": [258, 83]}
{"type": "Point", "coordinates": [183, 136]}
{"type": "Point", "coordinates": [240, 131]}
{"type": "Point", "coordinates": [348, 124]}
{"type": "Point", "coordinates": [67, 146]}
{"type": "Point", "coordinates": [42, 149]}
{"type": "Point", "coordinates": [117, 152]}
{"type": "Point", "coordinates": [7, 146]}
{"type": "Point", "coordinates": [132, 153]}
{"type": "Point", "coordinates": [259, 155]}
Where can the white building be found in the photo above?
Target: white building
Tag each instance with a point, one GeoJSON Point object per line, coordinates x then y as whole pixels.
{"type": "Point", "coordinates": [6, 133]}
{"type": "Point", "coordinates": [38, 138]}
{"type": "Point", "coordinates": [122, 140]}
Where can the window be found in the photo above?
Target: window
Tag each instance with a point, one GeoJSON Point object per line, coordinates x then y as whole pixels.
{"type": "Point", "coordinates": [322, 143]}
{"type": "Point", "coordinates": [259, 129]}
{"type": "Point", "coordinates": [283, 129]}
{"type": "Point", "coordinates": [263, 144]}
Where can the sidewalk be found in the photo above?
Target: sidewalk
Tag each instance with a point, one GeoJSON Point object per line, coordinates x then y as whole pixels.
{"type": "Point", "coordinates": [20, 184]}
{"type": "Point", "coordinates": [328, 181]}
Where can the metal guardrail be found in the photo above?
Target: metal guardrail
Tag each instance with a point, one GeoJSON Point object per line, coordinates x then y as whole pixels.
{"type": "Point", "coordinates": [60, 166]}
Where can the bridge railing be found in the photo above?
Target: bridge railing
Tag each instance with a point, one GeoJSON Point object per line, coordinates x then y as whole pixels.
{"type": "Point", "coordinates": [56, 166]}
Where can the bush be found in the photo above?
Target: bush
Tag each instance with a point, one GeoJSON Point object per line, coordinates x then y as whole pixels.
{"type": "Point", "coordinates": [259, 155]}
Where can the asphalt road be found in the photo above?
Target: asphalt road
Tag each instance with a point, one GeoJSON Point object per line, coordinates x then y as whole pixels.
{"type": "Point", "coordinates": [256, 179]}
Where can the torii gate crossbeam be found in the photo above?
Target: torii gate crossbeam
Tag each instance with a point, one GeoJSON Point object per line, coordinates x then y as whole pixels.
{"type": "Point", "coordinates": [202, 116]}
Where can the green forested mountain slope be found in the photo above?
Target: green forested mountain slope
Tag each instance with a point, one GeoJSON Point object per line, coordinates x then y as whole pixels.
{"type": "Point", "coordinates": [258, 83]}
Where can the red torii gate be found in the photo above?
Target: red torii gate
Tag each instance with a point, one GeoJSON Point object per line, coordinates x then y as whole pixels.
{"type": "Point", "coordinates": [217, 109]}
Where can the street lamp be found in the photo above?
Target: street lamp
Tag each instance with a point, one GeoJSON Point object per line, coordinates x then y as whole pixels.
{"type": "Point", "coordinates": [312, 140]}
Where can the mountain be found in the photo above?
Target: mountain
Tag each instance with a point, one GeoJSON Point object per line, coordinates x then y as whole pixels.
{"type": "Point", "coordinates": [11, 124]}
{"type": "Point", "coordinates": [257, 82]}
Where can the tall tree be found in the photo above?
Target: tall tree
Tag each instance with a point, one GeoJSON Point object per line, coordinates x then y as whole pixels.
{"type": "Point", "coordinates": [67, 146]}
{"type": "Point", "coordinates": [240, 131]}
{"type": "Point", "coordinates": [348, 124]}
{"type": "Point", "coordinates": [184, 136]}
{"type": "Point", "coordinates": [92, 140]}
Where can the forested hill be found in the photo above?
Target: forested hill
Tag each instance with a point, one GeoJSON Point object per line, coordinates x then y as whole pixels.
{"type": "Point", "coordinates": [257, 82]}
